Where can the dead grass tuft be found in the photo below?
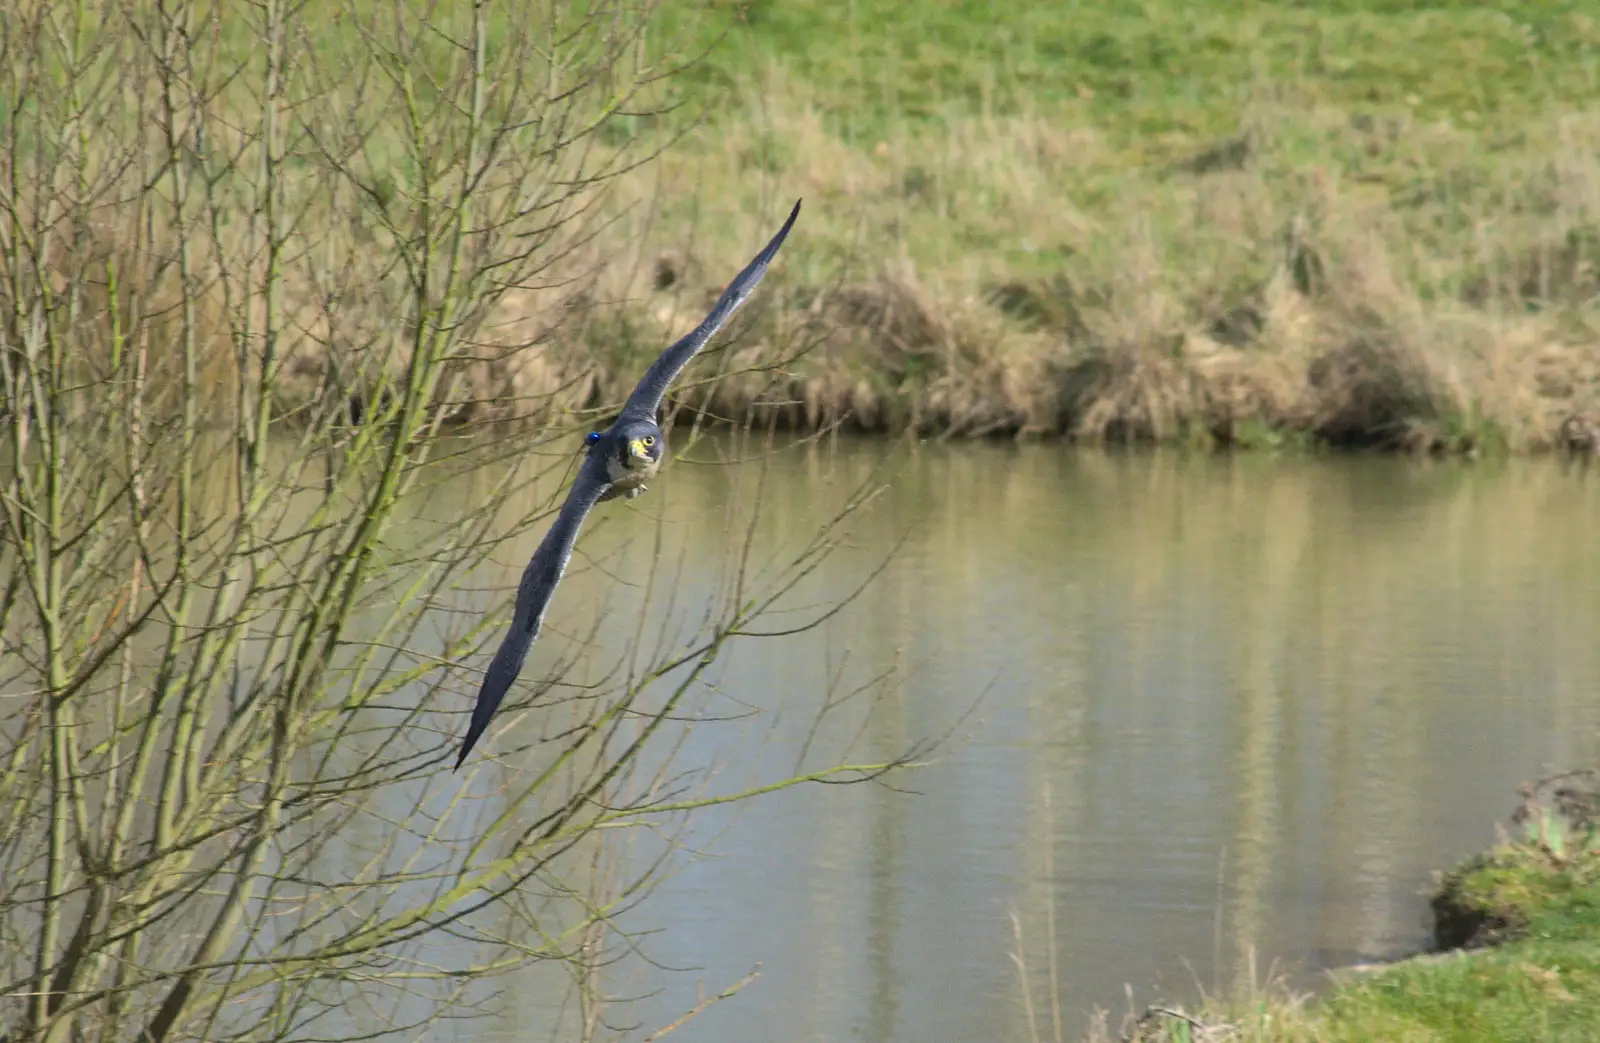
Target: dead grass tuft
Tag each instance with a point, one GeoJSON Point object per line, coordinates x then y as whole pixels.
{"type": "Point", "coordinates": [1034, 283]}
{"type": "Point", "coordinates": [1349, 281]}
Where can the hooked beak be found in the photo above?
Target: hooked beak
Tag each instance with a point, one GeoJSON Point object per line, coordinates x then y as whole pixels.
{"type": "Point", "coordinates": [637, 450]}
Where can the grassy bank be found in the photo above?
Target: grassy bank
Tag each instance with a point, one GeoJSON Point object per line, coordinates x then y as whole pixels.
{"type": "Point", "coordinates": [1519, 930]}
{"type": "Point", "coordinates": [1359, 223]}
{"type": "Point", "coordinates": [1352, 222]}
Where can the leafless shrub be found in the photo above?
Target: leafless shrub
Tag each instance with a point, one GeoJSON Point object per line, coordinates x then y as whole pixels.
{"type": "Point", "coordinates": [250, 258]}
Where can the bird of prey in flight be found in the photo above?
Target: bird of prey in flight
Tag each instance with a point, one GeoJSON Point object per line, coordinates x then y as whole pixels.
{"type": "Point", "coordinates": [619, 461]}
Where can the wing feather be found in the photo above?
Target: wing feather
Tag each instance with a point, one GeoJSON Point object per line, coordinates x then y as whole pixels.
{"type": "Point", "coordinates": [539, 579]}
{"type": "Point", "coordinates": [646, 396]}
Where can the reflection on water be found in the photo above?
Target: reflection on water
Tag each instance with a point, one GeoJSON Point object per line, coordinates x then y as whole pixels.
{"type": "Point", "coordinates": [1228, 704]}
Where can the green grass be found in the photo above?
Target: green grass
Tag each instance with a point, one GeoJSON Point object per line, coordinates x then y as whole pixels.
{"type": "Point", "coordinates": [1153, 69]}
{"type": "Point", "coordinates": [1540, 980]}
{"type": "Point", "coordinates": [1534, 990]}
{"type": "Point", "coordinates": [1363, 223]}
{"type": "Point", "coordinates": [1533, 909]}
{"type": "Point", "coordinates": [1524, 891]}
{"type": "Point", "coordinates": [1091, 209]}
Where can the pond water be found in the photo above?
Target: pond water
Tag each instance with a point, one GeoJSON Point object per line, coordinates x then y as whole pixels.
{"type": "Point", "coordinates": [1199, 718]}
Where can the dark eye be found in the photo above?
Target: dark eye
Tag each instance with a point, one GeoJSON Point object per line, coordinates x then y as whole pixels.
{"type": "Point", "coordinates": [648, 440]}
{"type": "Point", "coordinates": [591, 438]}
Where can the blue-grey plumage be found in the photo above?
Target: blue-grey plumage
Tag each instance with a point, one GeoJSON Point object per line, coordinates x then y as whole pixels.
{"type": "Point", "coordinates": [646, 397]}
{"type": "Point", "coordinates": [618, 463]}
{"type": "Point", "coordinates": [538, 583]}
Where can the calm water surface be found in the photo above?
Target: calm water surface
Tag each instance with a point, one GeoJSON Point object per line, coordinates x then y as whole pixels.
{"type": "Point", "coordinates": [1199, 708]}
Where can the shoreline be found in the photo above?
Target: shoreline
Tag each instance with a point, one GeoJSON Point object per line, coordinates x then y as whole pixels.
{"type": "Point", "coordinates": [1516, 956]}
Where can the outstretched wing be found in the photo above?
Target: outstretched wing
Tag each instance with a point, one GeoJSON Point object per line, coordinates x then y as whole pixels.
{"type": "Point", "coordinates": [646, 397]}
{"type": "Point", "coordinates": [539, 581]}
